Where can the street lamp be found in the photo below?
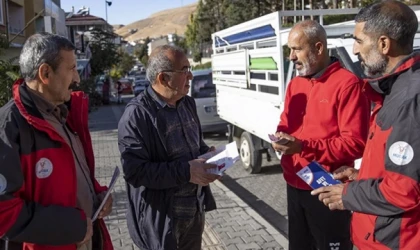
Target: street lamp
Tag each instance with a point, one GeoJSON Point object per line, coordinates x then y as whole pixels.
{"type": "Point", "coordinates": [107, 3]}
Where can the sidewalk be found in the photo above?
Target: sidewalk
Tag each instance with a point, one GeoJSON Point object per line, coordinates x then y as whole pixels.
{"type": "Point", "coordinates": [234, 225]}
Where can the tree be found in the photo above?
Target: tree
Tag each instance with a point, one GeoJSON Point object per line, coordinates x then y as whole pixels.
{"type": "Point", "coordinates": [180, 42]}
{"type": "Point", "coordinates": [142, 52]}
{"type": "Point", "coordinates": [126, 63]}
{"type": "Point", "coordinates": [104, 51]}
{"type": "Point", "coordinates": [8, 74]}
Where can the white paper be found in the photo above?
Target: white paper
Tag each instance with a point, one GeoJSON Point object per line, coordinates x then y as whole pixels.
{"type": "Point", "coordinates": [224, 157]}
{"type": "Point", "coordinates": [110, 187]}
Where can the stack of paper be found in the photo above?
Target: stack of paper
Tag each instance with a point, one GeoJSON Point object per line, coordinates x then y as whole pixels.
{"type": "Point", "coordinates": [224, 157]}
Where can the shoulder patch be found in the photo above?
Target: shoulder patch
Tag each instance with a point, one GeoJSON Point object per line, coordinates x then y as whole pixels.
{"type": "Point", "coordinates": [3, 184]}
{"type": "Point", "coordinates": [401, 153]}
{"type": "Point", "coordinates": [43, 168]}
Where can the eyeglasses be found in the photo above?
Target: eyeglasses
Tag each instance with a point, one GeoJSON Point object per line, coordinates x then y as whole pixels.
{"type": "Point", "coordinates": [185, 70]}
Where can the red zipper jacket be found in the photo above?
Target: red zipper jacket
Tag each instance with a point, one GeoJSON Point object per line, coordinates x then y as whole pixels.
{"type": "Point", "coordinates": [330, 114]}
{"type": "Point", "coordinates": [38, 177]}
{"type": "Point", "coordinates": [386, 197]}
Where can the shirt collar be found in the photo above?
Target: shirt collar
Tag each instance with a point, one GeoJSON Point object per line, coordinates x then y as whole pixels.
{"type": "Point", "coordinates": [158, 100]}
{"type": "Point", "coordinates": [320, 73]}
{"type": "Point", "coordinates": [45, 107]}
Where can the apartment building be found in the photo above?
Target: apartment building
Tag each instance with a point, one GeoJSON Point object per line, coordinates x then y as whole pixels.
{"type": "Point", "coordinates": [19, 19]}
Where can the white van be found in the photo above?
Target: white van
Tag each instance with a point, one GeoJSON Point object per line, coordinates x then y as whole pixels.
{"type": "Point", "coordinates": [203, 91]}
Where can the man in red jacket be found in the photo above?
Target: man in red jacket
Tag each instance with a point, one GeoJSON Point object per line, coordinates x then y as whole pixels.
{"type": "Point", "coordinates": [48, 191]}
{"type": "Point", "coordinates": [325, 119]}
{"type": "Point", "coordinates": [386, 193]}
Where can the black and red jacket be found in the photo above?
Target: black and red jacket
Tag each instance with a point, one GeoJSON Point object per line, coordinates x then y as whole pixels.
{"type": "Point", "coordinates": [330, 114]}
{"type": "Point", "coordinates": [386, 197]}
{"type": "Point", "coordinates": [38, 176]}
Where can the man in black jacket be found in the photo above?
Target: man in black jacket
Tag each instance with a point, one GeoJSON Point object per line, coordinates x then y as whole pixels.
{"type": "Point", "coordinates": [160, 139]}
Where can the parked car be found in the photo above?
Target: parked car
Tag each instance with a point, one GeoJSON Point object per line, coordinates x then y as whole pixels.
{"type": "Point", "coordinates": [203, 91]}
{"type": "Point", "coordinates": [139, 86]}
{"type": "Point", "coordinates": [127, 86]}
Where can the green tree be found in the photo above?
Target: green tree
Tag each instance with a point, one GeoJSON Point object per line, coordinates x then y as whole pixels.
{"type": "Point", "coordinates": [8, 74]}
{"type": "Point", "coordinates": [142, 52]}
{"type": "Point", "coordinates": [104, 51]}
{"type": "Point", "coordinates": [180, 42]}
{"type": "Point", "coordinates": [124, 66]}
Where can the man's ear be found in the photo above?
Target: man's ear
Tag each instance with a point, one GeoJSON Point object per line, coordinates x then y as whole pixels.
{"type": "Point", "coordinates": [384, 44]}
{"type": "Point", "coordinates": [319, 48]}
{"type": "Point", "coordinates": [44, 73]}
{"type": "Point", "coordinates": [163, 78]}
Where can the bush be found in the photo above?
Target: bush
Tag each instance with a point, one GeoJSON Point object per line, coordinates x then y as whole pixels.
{"type": "Point", "coordinates": [88, 86]}
{"type": "Point", "coordinates": [206, 65]}
{"type": "Point", "coordinates": [8, 74]}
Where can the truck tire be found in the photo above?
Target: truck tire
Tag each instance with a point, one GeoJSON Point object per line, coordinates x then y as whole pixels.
{"type": "Point", "coordinates": [250, 156]}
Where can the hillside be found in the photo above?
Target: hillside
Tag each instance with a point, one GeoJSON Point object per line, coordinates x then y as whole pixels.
{"type": "Point", "coordinates": [157, 24]}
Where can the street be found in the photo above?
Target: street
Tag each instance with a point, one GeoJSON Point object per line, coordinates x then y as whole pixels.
{"type": "Point", "coordinates": [250, 207]}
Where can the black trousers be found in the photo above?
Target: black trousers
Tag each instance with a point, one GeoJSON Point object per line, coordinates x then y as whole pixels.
{"type": "Point", "coordinates": [313, 226]}
{"type": "Point", "coordinates": [188, 232]}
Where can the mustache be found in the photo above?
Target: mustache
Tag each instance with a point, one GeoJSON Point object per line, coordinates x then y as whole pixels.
{"type": "Point", "coordinates": [73, 86]}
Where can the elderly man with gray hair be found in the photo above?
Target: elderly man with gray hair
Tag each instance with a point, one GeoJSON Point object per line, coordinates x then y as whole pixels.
{"type": "Point", "coordinates": [160, 139]}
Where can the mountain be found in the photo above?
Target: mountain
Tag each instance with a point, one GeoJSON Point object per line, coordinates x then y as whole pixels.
{"type": "Point", "coordinates": [158, 24]}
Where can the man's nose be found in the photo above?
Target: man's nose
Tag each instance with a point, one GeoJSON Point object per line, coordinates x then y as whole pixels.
{"type": "Point", "coordinates": [292, 56]}
{"type": "Point", "coordinates": [356, 49]}
{"type": "Point", "coordinates": [76, 78]}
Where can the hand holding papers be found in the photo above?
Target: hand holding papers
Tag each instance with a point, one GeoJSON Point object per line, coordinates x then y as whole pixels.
{"type": "Point", "coordinates": [110, 187]}
{"type": "Point", "coordinates": [316, 176]}
{"type": "Point", "coordinates": [224, 157]}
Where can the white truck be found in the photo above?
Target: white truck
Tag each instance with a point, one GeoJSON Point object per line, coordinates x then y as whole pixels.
{"type": "Point", "coordinates": [251, 75]}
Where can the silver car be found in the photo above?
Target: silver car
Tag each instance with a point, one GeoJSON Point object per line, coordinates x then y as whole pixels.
{"type": "Point", "coordinates": [203, 91]}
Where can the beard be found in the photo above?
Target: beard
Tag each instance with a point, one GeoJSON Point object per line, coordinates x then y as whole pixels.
{"type": "Point", "coordinates": [374, 63]}
{"type": "Point", "coordinates": [308, 67]}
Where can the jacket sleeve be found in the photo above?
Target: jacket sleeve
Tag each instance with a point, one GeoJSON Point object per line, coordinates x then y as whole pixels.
{"type": "Point", "coordinates": [283, 124]}
{"type": "Point", "coordinates": [23, 220]}
{"type": "Point", "coordinates": [398, 190]}
{"type": "Point", "coordinates": [353, 112]}
{"type": "Point", "coordinates": [135, 147]}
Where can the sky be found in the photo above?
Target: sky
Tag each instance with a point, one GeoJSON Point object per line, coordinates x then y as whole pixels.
{"type": "Point", "coordinates": [124, 11]}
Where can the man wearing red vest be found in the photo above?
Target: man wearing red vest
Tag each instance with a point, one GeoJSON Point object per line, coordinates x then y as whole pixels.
{"type": "Point", "coordinates": [48, 191]}
{"type": "Point", "coordinates": [325, 119]}
{"type": "Point", "coordinates": [385, 194]}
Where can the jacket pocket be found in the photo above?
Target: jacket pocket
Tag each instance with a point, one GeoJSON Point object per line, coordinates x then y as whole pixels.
{"type": "Point", "coordinates": [387, 231]}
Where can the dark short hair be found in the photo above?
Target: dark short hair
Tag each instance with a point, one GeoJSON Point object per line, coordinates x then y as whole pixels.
{"type": "Point", "coordinates": [390, 18]}
{"type": "Point", "coordinates": [42, 48]}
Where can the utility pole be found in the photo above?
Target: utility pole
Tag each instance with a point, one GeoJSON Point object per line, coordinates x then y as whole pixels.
{"type": "Point", "coordinates": [107, 3]}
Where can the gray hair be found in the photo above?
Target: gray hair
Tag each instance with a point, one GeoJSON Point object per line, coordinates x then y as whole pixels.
{"type": "Point", "coordinates": [42, 48]}
{"type": "Point", "coordinates": [390, 18]}
{"type": "Point", "coordinates": [313, 31]}
{"type": "Point", "coordinates": [159, 61]}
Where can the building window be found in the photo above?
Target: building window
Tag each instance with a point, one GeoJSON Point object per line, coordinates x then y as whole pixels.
{"type": "Point", "coordinates": [1, 12]}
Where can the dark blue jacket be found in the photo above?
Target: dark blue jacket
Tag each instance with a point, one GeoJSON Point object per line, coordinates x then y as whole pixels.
{"type": "Point", "coordinates": [151, 178]}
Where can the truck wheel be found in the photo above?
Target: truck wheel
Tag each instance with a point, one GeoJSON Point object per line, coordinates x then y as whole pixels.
{"type": "Point", "coordinates": [251, 157]}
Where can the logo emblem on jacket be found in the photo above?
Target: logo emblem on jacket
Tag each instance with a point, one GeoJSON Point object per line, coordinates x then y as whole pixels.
{"type": "Point", "coordinates": [401, 153]}
{"type": "Point", "coordinates": [43, 168]}
{"type": "Point", "coordinates": [3, 184]}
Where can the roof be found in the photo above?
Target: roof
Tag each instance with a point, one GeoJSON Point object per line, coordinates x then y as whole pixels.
{"type": "Point", "coordinates": [85, 19]}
